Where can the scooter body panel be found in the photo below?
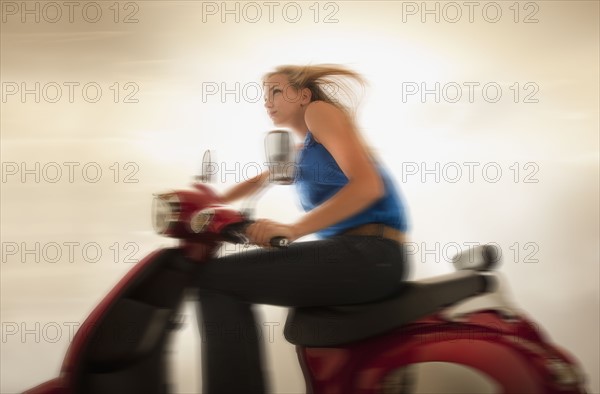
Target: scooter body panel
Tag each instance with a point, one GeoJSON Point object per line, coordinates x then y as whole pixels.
{"type": "Point", "coordinates": [514, 355]}
{"type": "Point", "coordinates": [121, 344]}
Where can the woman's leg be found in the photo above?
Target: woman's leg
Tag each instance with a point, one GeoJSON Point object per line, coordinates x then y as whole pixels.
{"type": "Point", "coordinates": [336, 271]}
{"type": "Point", "coordinates": [347, 269]}
{"type": "Point", "coordinates": [231, 347]}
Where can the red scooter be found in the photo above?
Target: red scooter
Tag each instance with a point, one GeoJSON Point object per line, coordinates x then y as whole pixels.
{"type": "Point", "coordinates": [458, 320]}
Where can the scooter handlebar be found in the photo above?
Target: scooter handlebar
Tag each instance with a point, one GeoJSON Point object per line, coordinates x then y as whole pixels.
{"type": "Point", "coordinates": [279, 242]}
{"type": "Point", "coordinates": [236, 232]}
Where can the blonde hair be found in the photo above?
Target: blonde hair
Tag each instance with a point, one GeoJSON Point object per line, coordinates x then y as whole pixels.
{"type": "Point", "coordinates": [332, 83]}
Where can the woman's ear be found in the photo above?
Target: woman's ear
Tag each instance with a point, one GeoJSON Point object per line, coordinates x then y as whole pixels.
{"type": "Point", "coordinates": [306, 96]}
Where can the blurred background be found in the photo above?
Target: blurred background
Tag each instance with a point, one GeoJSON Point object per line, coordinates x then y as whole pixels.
{"type": "Point", "coordinates": [486, 115]}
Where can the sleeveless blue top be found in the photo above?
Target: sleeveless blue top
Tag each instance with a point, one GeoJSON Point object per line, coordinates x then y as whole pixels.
{"type": "Point", "coordinates": [318, 177]}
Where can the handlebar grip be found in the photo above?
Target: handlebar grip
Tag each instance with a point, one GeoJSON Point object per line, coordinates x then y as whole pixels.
{"type": "Point", "coordinates": [279, 242]}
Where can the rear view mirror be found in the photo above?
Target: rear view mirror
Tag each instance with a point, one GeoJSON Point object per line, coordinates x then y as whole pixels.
{"type": "Point", "coordinates": [207, 171]}
{"type": "Point", "coordinates": [280, 157]}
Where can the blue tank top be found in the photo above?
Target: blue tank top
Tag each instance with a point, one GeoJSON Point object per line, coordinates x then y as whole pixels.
{"type": "Point", "coordinates": [318, 177]}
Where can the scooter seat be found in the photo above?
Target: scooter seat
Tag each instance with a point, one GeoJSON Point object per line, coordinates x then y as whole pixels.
{"type": "Point", "coordinates": [338, 325]}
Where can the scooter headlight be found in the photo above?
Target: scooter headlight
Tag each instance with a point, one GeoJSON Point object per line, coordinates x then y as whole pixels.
{"type": "Point", "coordinates": [201, 219]}
{"type": "Point", "coordinates": [165, 210]}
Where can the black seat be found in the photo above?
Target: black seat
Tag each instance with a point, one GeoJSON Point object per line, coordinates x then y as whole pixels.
{"type": "Point", "coordinates": [338, 325]}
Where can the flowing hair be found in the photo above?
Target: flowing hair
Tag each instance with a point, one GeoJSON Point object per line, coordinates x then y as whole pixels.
{"type": "Point", "coordinates": [331, 83]}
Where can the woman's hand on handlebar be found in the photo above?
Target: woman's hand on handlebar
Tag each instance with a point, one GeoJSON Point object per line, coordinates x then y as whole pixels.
{"type": "Point", "coordinates": [263, 230]}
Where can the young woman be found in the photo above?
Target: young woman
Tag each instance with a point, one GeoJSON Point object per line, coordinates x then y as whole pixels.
{"type": "Point", "coordinates": [352, 205]}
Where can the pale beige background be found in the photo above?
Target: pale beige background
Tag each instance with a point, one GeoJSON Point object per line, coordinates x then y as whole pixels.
{"type": "Point", "coordinates": [170, 52]}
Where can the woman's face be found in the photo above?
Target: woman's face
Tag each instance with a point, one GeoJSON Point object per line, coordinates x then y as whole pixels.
{"type": "Point", "coordinates": [284, 104]}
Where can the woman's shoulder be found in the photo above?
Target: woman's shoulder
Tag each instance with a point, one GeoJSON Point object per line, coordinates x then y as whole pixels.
{"type": "Point", "coordinates": [321, 116]}
{"type": "Point", "coordinates": [320, 106]}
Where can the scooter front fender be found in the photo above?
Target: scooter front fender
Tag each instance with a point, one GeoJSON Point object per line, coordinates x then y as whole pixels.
{"type": "Point", "coordinates": [120, 345]}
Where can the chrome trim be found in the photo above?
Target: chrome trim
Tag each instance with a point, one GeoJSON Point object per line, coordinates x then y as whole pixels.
{"type": "Point", "coordinates": [564, 373]}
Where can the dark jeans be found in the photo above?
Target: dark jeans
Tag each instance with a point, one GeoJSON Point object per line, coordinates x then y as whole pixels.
{"type": "Point", "coordinates": [346, 269]}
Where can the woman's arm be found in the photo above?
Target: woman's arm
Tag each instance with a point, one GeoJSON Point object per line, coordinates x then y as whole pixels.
{"type": "Point", "coordinates": [245, 188]}
{"type": "Point", "coordinates": [332, 128]}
